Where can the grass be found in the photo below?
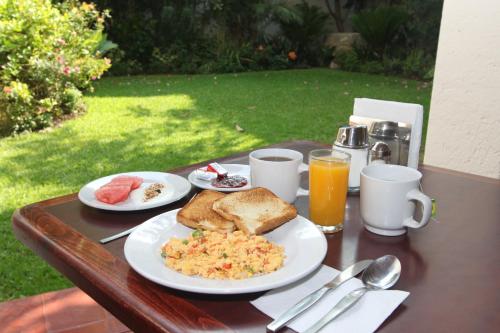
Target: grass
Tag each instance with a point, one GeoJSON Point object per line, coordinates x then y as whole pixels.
{"type": "Point", "coordinates": [161, 122]}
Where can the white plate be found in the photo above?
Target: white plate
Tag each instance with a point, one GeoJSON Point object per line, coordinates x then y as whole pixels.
{"type": "Point", "coordinates": [232, 169]}
{"type": "Point", "coordinates": [176, 187]}
{"type": "Point", "coordinates": [305, 248]}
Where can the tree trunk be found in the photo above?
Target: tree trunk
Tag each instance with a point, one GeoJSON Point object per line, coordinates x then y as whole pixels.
{"type": "Point", "coordinates": [336, 14]}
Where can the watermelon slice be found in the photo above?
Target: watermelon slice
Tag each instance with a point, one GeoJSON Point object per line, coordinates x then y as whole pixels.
{"type": "Point", "coordinates": [118, 189]}
{"type": "Point", "coordinates": [112, 194]}
{"type": "Point", "coordinates": [123, 180]}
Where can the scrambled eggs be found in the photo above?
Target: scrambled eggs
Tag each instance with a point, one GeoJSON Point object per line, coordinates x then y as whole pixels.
{"type": "Point", "coordinates": [216, 255]}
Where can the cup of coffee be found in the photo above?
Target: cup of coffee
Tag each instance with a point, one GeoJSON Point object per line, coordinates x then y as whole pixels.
{"type": "Point", "coordinates": [388, 196]}
{"type": "Point", "coordinates": [279, 171]}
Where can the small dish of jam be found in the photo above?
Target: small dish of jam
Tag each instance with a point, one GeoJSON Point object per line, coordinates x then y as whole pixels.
{"type": "Point", "coordinates": [222, 177]}
{"type": "Point", "coordinates": [230, 182]}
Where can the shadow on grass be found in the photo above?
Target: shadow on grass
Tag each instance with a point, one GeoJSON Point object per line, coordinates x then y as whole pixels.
{"type": "Point", "coordinates": [139, 111]}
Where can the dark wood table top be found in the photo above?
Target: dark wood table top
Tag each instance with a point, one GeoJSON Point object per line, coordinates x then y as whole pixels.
{"type": "Point", "coordinates": [451, 267]}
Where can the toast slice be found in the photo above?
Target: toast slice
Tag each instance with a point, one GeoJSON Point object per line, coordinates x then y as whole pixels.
{"type": "Point", "coordinates": [198, 213]}
{"type": "Point", "coordinates": [255, 211]}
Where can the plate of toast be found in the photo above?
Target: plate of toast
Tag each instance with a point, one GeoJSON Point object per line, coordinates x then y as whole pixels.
{"type": "Point", "coordinates": [241, 170]}
{"type": "Point", "coordinates": [256, 213]}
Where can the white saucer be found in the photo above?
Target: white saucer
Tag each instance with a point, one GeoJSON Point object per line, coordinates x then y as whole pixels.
{"type": "Point", "coordinates": [232, 169]}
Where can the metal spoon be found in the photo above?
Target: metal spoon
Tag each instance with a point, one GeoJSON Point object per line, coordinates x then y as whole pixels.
{"type": "Point", "coordinates": [383, 273]}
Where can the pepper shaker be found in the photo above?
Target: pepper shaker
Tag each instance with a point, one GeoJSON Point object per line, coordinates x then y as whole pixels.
{"type": "Point", "coordinates": [354, 140]}
{"type": "Point", "coordinates": [387, 132]}
{"type": "Point", "coordinates": [379, 153]}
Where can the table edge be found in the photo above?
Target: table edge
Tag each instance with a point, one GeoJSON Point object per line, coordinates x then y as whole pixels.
{"type": "Point", "coordinates": [79, 270]}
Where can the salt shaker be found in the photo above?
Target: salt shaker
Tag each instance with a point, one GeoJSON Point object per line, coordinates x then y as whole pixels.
{"type": "Point", "coordinates": [354, 140]}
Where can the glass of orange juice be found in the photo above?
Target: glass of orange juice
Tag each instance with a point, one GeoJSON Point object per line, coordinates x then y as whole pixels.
{"type": "Point", "coordinates": [328, 183]}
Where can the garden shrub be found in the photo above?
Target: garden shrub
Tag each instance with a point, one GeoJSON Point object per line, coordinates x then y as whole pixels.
{"type": "Point", "coordinates": [422, 30]}
{"type": "Point", "coordinates": [379, 27]}
{"type": "Point", "coordinates": [416, 64]}
{"type": "Point", "coordinates": [348, 60]}
{"type": "Point", "coordinates": [307, 33]}
{"type": "Point", "coordinates": [372, 67]}
{"type": "Point", "coordinates": [400, 40]}
{"type": "Point", "coordinates": [192, 36]}
{"type": "Point", "coordinates": [49, 53]}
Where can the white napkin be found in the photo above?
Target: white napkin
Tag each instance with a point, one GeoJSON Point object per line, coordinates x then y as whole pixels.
{"type": "Point", "coordinates": [365, 316]}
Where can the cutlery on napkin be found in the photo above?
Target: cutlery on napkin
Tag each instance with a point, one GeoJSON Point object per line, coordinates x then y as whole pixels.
{"type": "Point", "coordinates": [312, 298]}
{"type": "Point", "coordinates": [365, 316]}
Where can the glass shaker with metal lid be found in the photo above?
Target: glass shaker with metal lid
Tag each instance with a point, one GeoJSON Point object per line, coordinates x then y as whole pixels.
{"type": "Point", "coordinates": [354, 140]}
{"type": "Point", "coordinates": [388, 133]}
{"type": "Point", "coordinates": [379, 153]}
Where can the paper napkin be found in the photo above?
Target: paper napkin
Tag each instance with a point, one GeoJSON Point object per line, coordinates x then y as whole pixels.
{"type": "Point", "coordinates": [365, 316]}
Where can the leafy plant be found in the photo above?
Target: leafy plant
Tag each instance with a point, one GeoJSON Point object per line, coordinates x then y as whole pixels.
{"type": "Point", "coordinates": [422, 30]}
{"type": "Point", "coordinates": [372, 67]}
{"type": "Point", "coordinates": [379, 27]}
{"type": "Point", "coordinates": [48, 54]}
{"type": "Point", "coordinates": [306, 33]}
{"type": "Point", "coordinates": [105, 45]}
{"type": "Point", "coordinates": [417, 64]}
{"type": "Point", "coordinates": [348, 60]}
{"type": "Point", "coordinates": [242, 21]}
{"type": "Point", "coordinates": [197, 36]}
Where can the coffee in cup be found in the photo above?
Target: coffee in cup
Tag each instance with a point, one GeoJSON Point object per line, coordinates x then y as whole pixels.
{"type": "Point", "coordinates": [279, 171]}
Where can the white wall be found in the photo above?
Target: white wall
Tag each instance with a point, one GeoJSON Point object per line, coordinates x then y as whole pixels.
{"type": "Point", "coordinates": [464, 124]}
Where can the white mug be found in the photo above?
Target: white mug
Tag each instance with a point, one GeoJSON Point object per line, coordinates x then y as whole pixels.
{"type": "Point", "coordinates": [281, 176]}
{"type": "Point", "coordinates": [387, 199]}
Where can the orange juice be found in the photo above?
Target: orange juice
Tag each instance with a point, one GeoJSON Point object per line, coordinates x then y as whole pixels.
{"type": "Point", "coordinates": [328, 179]}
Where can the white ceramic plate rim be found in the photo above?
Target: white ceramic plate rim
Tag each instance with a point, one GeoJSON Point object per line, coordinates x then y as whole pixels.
{"type": "Point", "coordinates": [305, 248]}
{"type": "Point", "coordinates": [244, 170]}
{"type": "Point", "coordinates": [176, 188]}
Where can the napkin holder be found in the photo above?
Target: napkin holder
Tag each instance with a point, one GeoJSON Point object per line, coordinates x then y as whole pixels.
{"type": "Point", "coordinates": [407, 115]}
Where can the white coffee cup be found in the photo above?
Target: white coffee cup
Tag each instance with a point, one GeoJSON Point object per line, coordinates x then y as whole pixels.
{"type": "Point", "coordinates": [282, 175]}
{"type": "Point", "coordinates": [388, 196]}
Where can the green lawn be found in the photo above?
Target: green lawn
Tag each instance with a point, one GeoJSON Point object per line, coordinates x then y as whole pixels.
{"type": "Point", "coordinates": [161, 122]}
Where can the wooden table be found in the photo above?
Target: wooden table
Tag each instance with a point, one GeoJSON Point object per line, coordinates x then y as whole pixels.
{"type": "Point", "coordinates": [451, 268]}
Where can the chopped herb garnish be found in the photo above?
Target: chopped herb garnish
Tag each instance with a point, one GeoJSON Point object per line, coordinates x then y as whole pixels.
{"type": "Point", "coordinates": [163, 255]}
{"type": "Point", "coordinates": [197, 234]}
{"type": "Point", "coordinates": [185, 242]}
{"type": "Point", "coordinates": [224, 255]}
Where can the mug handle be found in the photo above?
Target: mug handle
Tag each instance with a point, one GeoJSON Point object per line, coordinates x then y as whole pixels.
{"type": "Point", "coordinates": [301, 192]}
{"type": "Point", "coordinates": [426, 215]}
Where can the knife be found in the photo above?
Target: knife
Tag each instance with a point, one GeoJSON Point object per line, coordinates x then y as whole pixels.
{"type": "Point", "coordinates": [310, 299]}
{"type": "Point", "coordinates": [118, 235]}
{"type": "Point", "coordinates": [128, 231]}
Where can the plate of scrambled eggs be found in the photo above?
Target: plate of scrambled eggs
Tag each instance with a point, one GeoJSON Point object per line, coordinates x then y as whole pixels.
{"type": "Point", "coordinates": [171, 254]}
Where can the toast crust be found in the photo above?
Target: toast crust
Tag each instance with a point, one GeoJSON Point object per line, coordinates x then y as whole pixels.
{"type": "Point", "coordinates": [255, 211]}
{"type": "Point", "coordinates": [198, 213]}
